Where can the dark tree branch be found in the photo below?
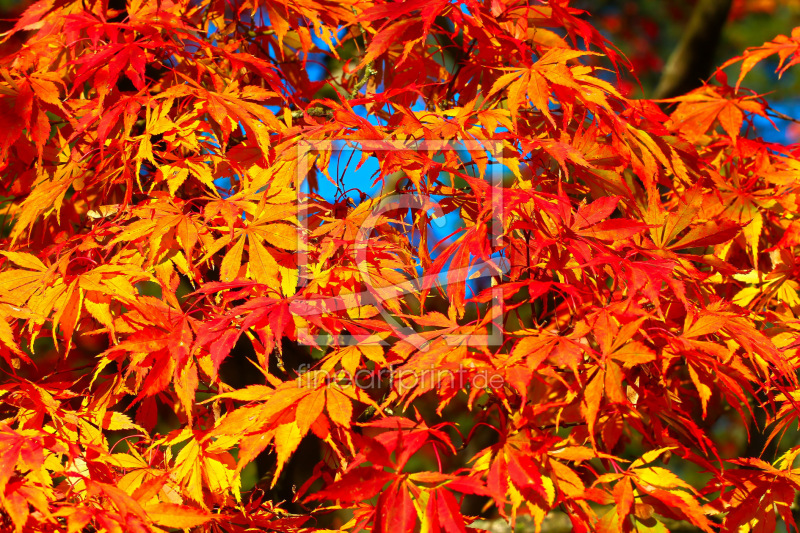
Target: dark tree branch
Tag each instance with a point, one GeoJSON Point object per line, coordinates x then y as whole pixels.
{"type": "Point", "coordinates": [692, 60]}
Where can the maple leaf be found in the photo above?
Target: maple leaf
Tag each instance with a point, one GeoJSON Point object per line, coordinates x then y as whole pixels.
{"type": "Point", "coordinates": [702, 108]}
{"type": "Point", "coordinates": [785, 46]}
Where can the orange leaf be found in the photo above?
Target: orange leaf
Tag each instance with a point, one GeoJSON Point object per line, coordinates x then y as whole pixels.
{"type": "Point", "coordinates": [177, 516]}
{"type": "Point", "coordinates": [339, 407]}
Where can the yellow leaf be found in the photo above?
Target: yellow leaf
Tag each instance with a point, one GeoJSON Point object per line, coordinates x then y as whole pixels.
{"type": "Point", "coordinates": [174, 516]}
{"type": "Point", "coordinates": [279, 235]}
{"type": "Point", "coordinates": [287, 438]}
{"type": "Point", "coordinates": [703, 390]}
{"type": "Point", "coordinates": [115, 421]}
{"type": "Point", "coordinates": [263, 267]}
{"type": "Point", "coordinates": [549, 489]}
{"type": "Point", "coordinates": [203, 173]}
{"type": "Point", "coordinates": [232, 262]}
{"type": "Point", "coordinates": [657, 476]}
{"type": "Point", "coordinates": [272, 212]}
{"type": "Point", "coordinates": [652, 455]}
{"type": "Point", "coordinates": [186, 388]}
{"type": "Point", "coordinates": [7, 338]}
{"type": "Point", "coordinates": [788, 293]}
{"type": "Point", "coordinates": [21, 285]}
{"type": "Point", "coordinates": [339, 408]}
{"type": "Point", "coordinates": [351, 358]}
{"type": "Point", "coordinates": [175, 177]}
{"type": "Point", "coordinates": [127, 460]}
{"type": "Point", "coordinates": [218, 472]}
{"type": "Point", "coordinates": [289, 277]}
{"type": "Point", "coordinates": [187, 470]}
{"type": "Point", "coordinates": [373, 352]}
{"type": "Point", "coordinates": [25, 260]}
{"type": "Point", "coordinates": [746, 295]}
{"type": "Point", "coordinates": [752, 232]}
{"type": "Point", "coordinates": [99, 307]}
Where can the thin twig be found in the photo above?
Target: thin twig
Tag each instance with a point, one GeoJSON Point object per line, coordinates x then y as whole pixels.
{"type": "Point", "coordinates": [778, 114]}
{"type": "Point", "coordinates": [368, 68]}
{"type": "Point", "coordinates": [313, 112]}
{"type": "Point", "coordinates": [457, 71]}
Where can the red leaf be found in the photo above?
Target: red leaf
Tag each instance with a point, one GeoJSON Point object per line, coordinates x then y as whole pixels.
{"type": "Point", "coordinates": [357, 485]}
{"type": "Point", "coordinates": [395, 510]}
{"type": "Point", "coordinates": [449, 512]}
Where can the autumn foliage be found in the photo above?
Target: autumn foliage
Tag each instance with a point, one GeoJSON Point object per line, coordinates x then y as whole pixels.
{"type": "Point", "coordinates": [204, 325]}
